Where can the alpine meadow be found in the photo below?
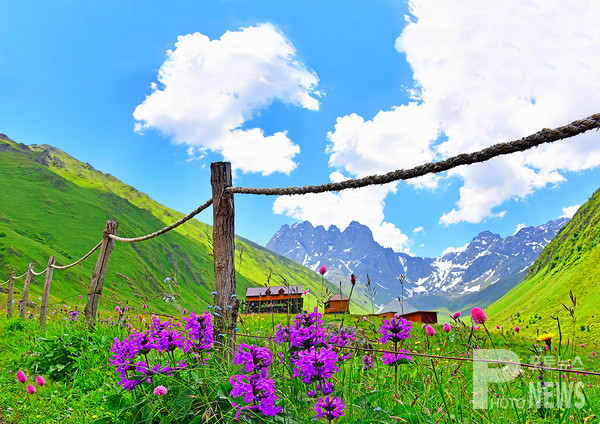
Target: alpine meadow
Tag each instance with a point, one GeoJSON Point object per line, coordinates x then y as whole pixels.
{"type": "Point", "coordinates": [300, 212]}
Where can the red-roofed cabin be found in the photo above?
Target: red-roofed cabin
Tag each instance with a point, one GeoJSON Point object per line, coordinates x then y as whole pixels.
{"type": "Point", "coordinates": [426, 317]}
{"type": "Point", "coordinates": [279, 299]}
{"type": "Point", "coordinates": [337, 304]}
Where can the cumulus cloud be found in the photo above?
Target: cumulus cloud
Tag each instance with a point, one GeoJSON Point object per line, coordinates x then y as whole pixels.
{"type": "Point", "coordinates": [364, 205]}
{"type": "Point", "coordinates": [518, 228]}
{"type": "Point", "coordinates": [485, 72]}
{"type": "Point", "coordinates": [209, 89]}
{"type": "Point", "coordinates": [569, 211]}
{"type": "Point", "coordinates": [418, 230]}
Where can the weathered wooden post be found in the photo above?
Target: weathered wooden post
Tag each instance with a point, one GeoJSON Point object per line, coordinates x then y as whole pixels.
{"type": "Point", "coordinates": [46, 292]}
{"type": "Point", "coordinates": [224, 251]}
{"type": "Point", "coordinates": [25, 295]}
{"type": "Point", "coordinates": [11, 292]}
{"type": "Point", "coordinates": [91, 307]}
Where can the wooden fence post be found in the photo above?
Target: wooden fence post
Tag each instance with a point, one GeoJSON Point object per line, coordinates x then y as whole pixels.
{"type": "Point", "coordinates": [224, 251]}
{"type": "Point", "coordinates": [25, 295]}
{"type": "Point", "coordinates": [11, 292]}
{"type": "Point", "coordinates": [46, 292]}
{"type": "Point", "coordinates": [91, 307]}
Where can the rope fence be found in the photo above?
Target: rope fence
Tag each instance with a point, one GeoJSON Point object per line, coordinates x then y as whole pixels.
{"type": "Point", "coordinates": [544, 136]}
{"type": "Point", "coordinates": [223, 213]}
{"type": "Point", "coordinates": [80, 260]}
{"type": "Point", "coordinates": [39, 273]}
{"type": "Point", "coordinates": [168, 228]}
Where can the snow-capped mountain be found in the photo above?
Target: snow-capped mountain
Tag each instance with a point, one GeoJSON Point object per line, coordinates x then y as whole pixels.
{"type": "Point", "coordinates": [487, 260]}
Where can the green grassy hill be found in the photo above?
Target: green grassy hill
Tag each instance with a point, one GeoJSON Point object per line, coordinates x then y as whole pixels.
{"type": "Point", "coordinates": [52, 204]}
{"type": "Point", "coordinates": [569, 262]}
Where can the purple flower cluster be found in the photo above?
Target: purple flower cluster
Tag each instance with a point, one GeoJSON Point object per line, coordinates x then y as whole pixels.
{"type": "Point", "coordinates": [257, 388]}
{"type": "Point", "coordinates": [329, 407]}
{"type": "Point", "coordinates": [396, 330]}
{"type": "Point", "coordinates": [200, 330]}
{"type": "Point", "coordinates": [74, 315]}
{"type": "Point", "coordinates": [132, 357]}
{"type": "Point", "coordinates": [313, 366]}
{"type": "Point", "coordinates": [401, 357]}
{"type": "Point", "coordinates": [254, 358]}
{"type": "Point", "coordinates": [367, 362]}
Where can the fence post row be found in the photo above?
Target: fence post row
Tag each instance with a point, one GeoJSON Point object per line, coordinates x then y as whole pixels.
{"type": "Point", "coordinates": [11, 292]}
{"type": "Point", "coordinates": [25, 295]}
{"type": "Point", "coordinates": [224, 251]}
{"type": "Point", "coordinates": [46, 292]}
{"type": "Point", "coordinates": [91, 307]}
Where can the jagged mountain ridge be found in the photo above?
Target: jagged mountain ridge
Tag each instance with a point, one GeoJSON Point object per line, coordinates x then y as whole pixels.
{"type": "Point", "coordinates": [486, 260]}
{"type": "Point", "coordinates": [567, 266]}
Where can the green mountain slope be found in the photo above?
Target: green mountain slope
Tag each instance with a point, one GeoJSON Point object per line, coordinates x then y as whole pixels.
{"type": "Point", "coordinates": [52, 204]}
{"type": "Point", "coordinates": [569, 262]}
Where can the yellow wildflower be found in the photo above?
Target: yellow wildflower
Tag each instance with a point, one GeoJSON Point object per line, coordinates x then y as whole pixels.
{"type": "Point", "coordinates": [544, 337]}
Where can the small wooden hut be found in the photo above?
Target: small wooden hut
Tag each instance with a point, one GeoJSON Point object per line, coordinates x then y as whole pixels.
{"type": "Point", "coordinates": [426, 317]}
{"type": "Point", "coordinates": [337, 304]}
{"type": "Point", "coordinates": [279, 299]}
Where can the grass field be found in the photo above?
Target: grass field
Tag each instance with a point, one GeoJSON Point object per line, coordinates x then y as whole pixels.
{"type": "Point", "coordinates": [82, 387]}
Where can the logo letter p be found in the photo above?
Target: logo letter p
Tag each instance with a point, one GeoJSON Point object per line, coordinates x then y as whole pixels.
{"type": "Point", "coordinates": [485, 373]}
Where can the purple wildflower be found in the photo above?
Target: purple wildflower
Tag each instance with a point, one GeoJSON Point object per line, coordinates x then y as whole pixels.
{"type": "Point", "coordinates": [200, 330]}
{"type": "Point", "coordinates": [258, 391]}
{"type": "Point", "coordinates": [430, 331]}
{"type": "Point", "coordinates": [322, 270]}
{"type": "Point", "coordinates": [39, 380]}
{"type": "Point", "coordinates": [314, 366]}
{"type": "Point", "coordinates": [325, 387]}
{"type": "Point", "coordinates": [447, 327]}
{"type": "Point", "coordinates": [329, 407]}
{"type": "Point", "coordinates": [30, 389]}
{"type": "Point", "coordinates": [254, 358]}
{"type": "Point", "coordinates": [367, 362]}
{"type": "Point", "coordinates": [21, 377]}
{"type": "Point", "coordinates": [282, 334]}
{"type": "Point", "coordinates": [402, 357]}
{"type": "Point", "coordinates": [395, 330]}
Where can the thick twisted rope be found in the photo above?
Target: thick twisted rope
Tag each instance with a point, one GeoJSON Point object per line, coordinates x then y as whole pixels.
{"type": "Point", "coordinates": [544, 136]}
{"type": "Point", "coordinates": [78, 261]}
{"type": "Point", "coordinates": [14, 278]}
{"type": "Point", "coordinates": [164, 230]}
{"type": "Point", "coordinates": [39, 273]}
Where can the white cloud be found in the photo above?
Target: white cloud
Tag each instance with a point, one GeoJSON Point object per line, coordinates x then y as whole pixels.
{"type": "Point", "coordinates": [455, 249]}
{"type": "Point", "coordinates": [364, 205]}
{"type": "Point", "coordinates": [485, 72]}
{"type": "Point", "coordinates": [518, 228]}
{"type": "Point", "coordinates": [208, 89]}
{"type": "Point", "coordinates": [418, 230]}
{"type": "Point", "coordinates": [569, 211]}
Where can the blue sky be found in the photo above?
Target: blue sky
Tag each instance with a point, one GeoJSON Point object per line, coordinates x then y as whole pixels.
{"type": "Point", "coordinates": [304, 92]}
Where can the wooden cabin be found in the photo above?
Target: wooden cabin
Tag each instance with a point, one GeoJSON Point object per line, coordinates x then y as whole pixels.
{"type": "Point", "coordinates": [337, 304]}
{"type": "Point", "coordinates": [278, 299]}
{"type": "Point", "coordinates": [426, 317]}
